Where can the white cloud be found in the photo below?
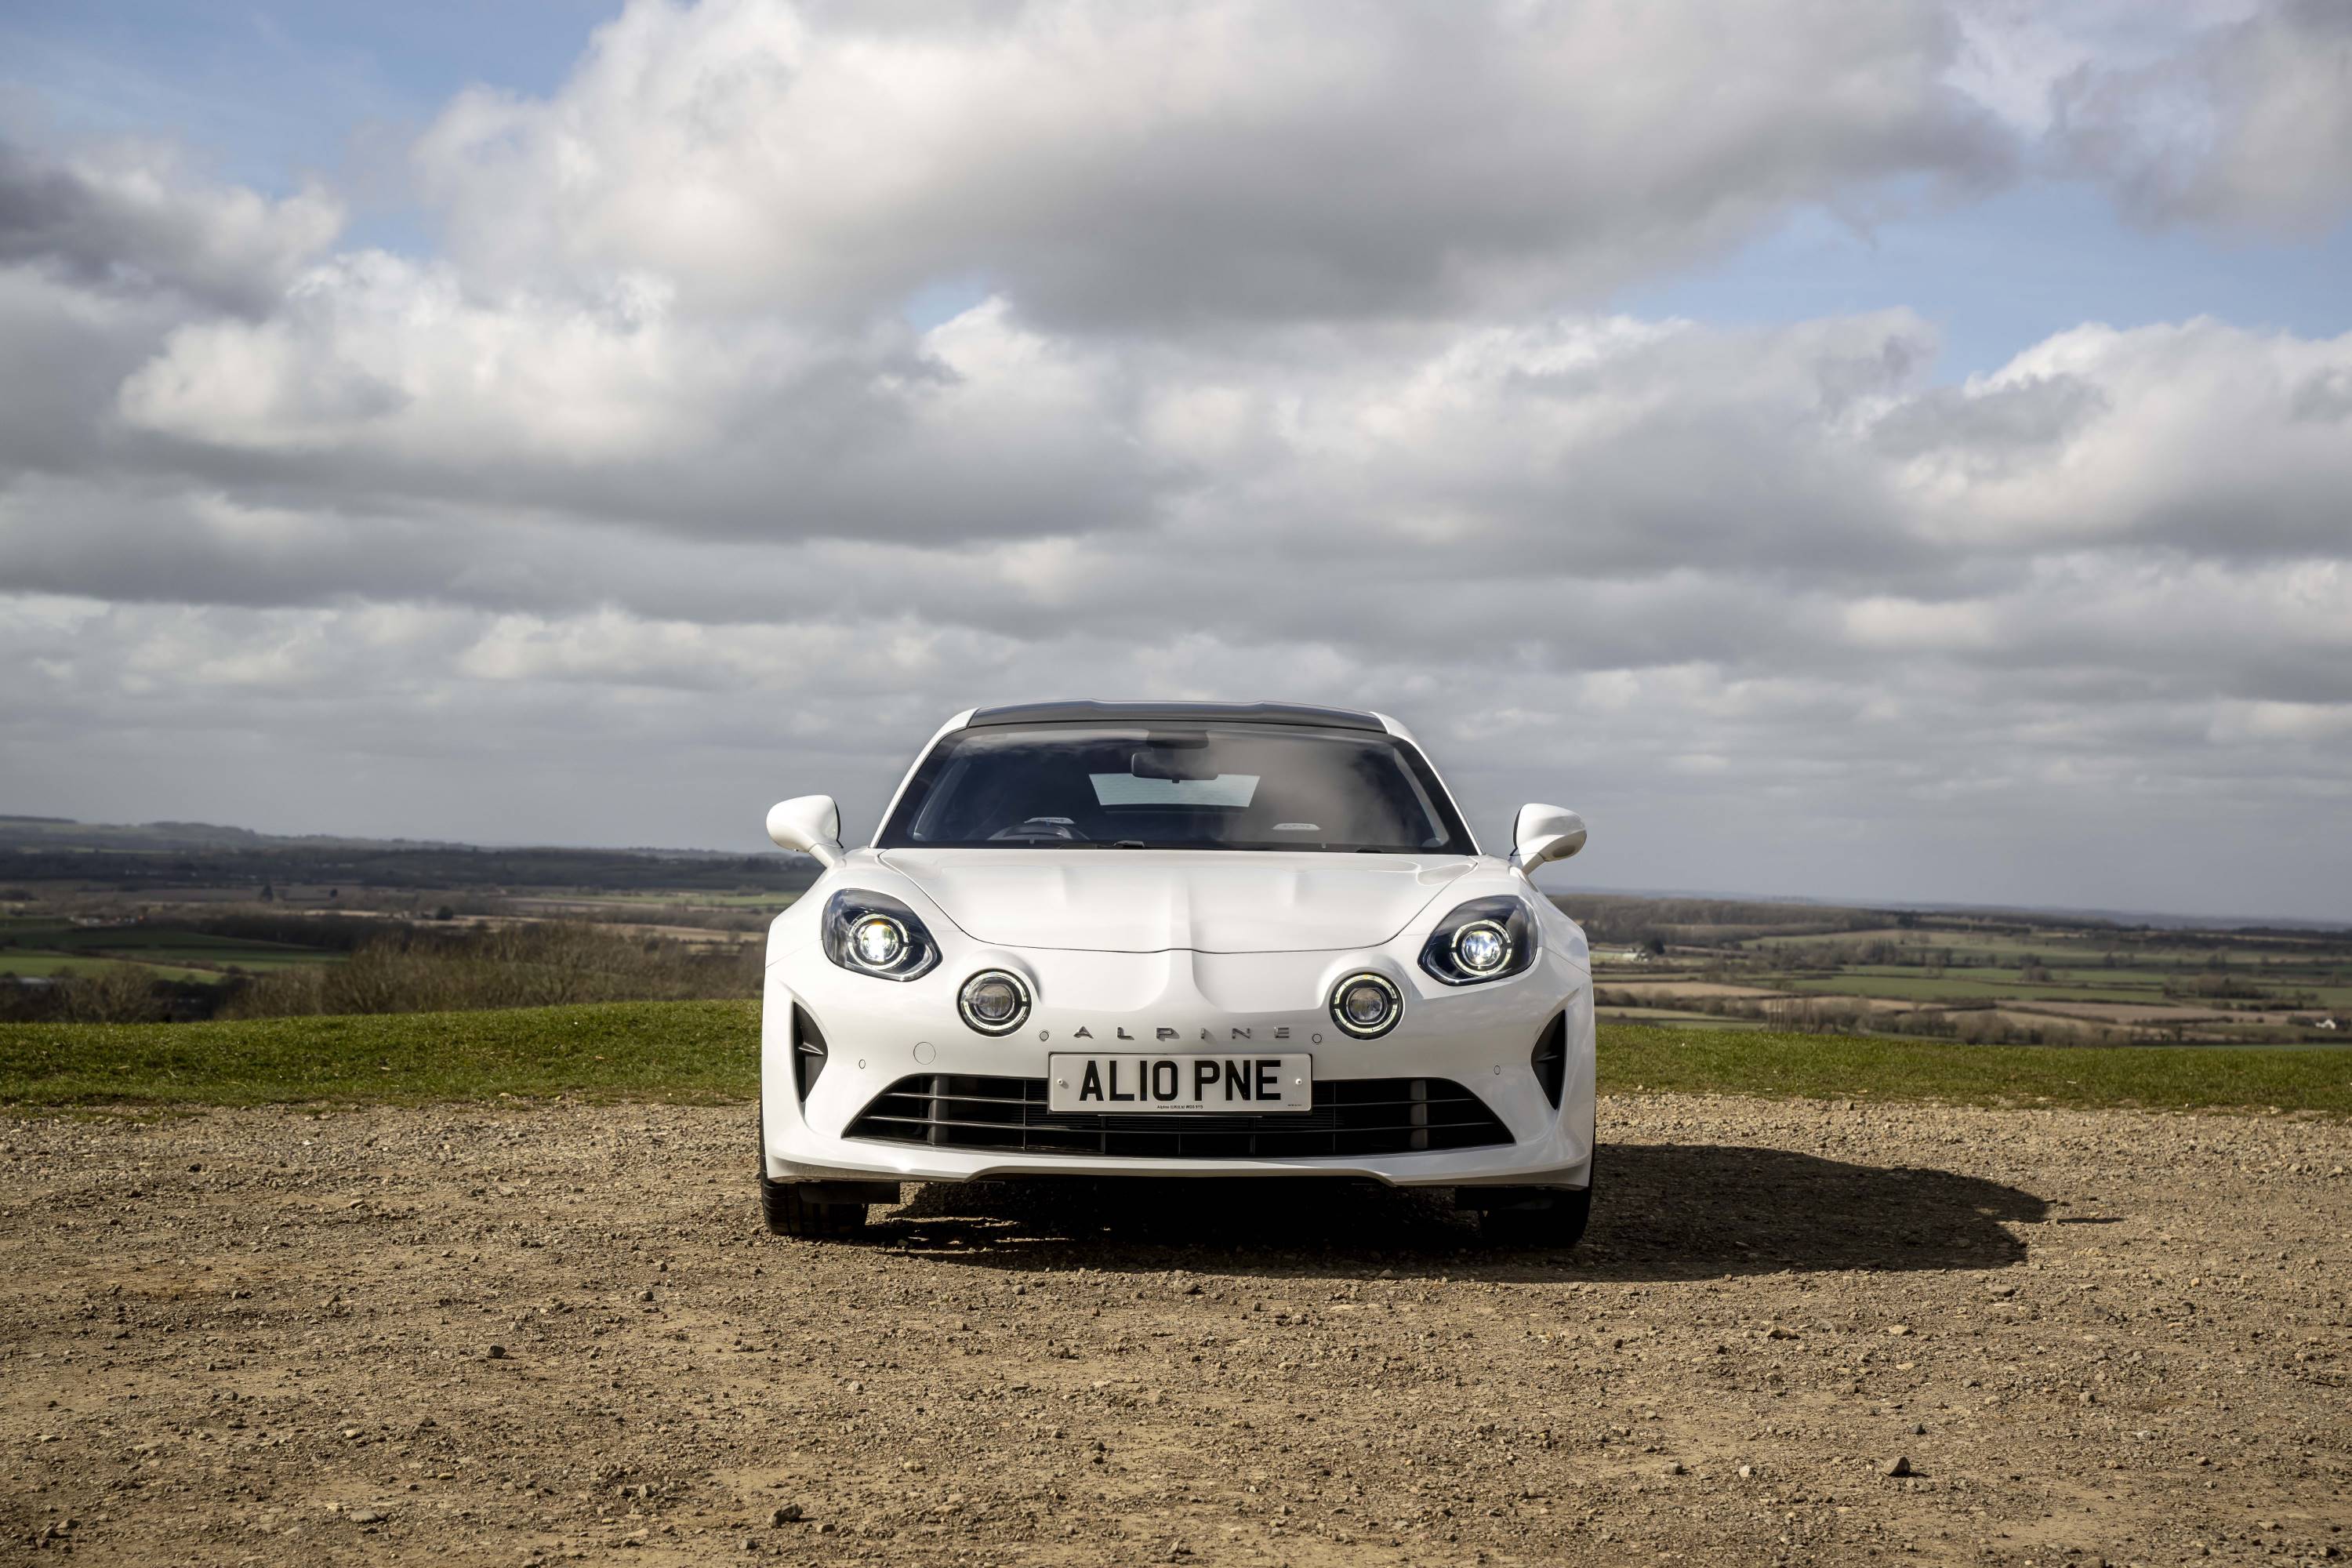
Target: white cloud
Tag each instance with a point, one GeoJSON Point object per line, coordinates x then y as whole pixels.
{"type": "Point", "coordinates": [2248, 127]}
{"type": "Point", "coordinates": [387, 376]}
{"type": "Point", "coordinates": [2017, 57]}
{"type": "Point", "coordinates": [2240, 722]}
{"type": "Point", "coordinates": [130, 217]}
{"type": "Point", "coordinates": [1193, 162]}
{"type": "Point", "coordinates": [2200, 434]}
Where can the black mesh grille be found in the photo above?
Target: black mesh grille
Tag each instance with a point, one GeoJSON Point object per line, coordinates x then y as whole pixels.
{"type": "Point", "coordinates": [1355, 1116]}
{"type": "Point", "coordinates": [1550, 1058]}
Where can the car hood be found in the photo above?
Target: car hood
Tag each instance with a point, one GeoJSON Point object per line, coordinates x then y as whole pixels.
{"type": "Point", "coordinates": [1144, 900]}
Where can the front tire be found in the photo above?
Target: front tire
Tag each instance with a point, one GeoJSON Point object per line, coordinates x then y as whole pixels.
{"type": "Point", "coordinates": [789, 1211]}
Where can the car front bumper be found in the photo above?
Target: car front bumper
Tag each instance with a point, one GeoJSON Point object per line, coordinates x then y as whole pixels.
{"type": "Point", "coordinates": [880, 1033]}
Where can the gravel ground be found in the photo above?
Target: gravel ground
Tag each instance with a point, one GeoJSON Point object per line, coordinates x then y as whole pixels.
{"type": "Point", "coordinates": [1798, 1332]}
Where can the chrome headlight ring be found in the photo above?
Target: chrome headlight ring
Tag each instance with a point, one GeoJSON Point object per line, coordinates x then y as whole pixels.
{"type": "Point", "coordinates": [994, 1002]}
{"type": "Point", "coordinates": [1366, 1004]}
{"type": "Point", "coordinates": [1482, 948]}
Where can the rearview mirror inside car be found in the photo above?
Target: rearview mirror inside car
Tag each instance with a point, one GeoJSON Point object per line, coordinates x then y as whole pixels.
{"type": "Point", "coordinates": [1165, 762]}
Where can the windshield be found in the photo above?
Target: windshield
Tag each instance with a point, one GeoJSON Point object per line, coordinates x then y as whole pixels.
{"type": "Point", "coordinates": [1176, 786]}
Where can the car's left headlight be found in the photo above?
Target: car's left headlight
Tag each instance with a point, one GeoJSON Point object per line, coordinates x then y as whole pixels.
{"type": "Point", "coordinates": [873, 933]}
{"type": "Point", "coordinates": [1486, 939]}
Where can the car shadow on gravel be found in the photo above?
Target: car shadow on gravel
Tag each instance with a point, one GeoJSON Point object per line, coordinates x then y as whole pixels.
{"type": "Point", "coordinates": [1661, 1211]}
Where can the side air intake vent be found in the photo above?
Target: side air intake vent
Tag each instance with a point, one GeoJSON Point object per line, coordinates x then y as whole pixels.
{"type": "Point", "coordinates": [1550, 1058]}
{"type": "Point", "coordinates": [808, 1051]}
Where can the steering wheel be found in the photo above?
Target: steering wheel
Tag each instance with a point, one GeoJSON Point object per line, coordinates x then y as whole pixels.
{"type": "Point", "coordinates": [1050, 829]}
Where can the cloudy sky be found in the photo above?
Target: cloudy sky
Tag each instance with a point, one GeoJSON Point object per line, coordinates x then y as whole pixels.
{"type": "Point", "coordinates": [1895, 451]}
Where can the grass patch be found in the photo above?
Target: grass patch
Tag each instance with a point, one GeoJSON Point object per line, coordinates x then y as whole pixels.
{"type": "Point", "coordinates": [704, 1051]}
{"type": "Point", "coordinates": [695, 1051]}
{"type": "Point", "coordinates": [1839, 1066]}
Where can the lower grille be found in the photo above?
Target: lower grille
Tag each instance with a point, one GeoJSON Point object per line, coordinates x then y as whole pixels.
{"type": "Point", "coordinates": [1354, 1116]}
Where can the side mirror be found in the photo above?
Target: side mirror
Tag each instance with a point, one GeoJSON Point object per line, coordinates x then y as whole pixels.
{"type": "Point", "coordinates": [809, 824]}
{"type": "Point", "coordinates": [1544, 833]}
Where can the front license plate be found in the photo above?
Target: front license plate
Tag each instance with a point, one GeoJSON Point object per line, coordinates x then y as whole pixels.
{"type": "Point", "coordinates": [1196, 1083]}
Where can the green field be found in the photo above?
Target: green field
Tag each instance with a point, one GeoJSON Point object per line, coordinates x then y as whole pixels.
{"type": "Point", "coordinates": [15, 960]}
{"type": "Point", "coordinates": [701, 1051]}
{"type": "Point", "coordinates": [1669, 1018]}
{"type": "Point", "coordinates": [53, 947]}
{"type": "Point", "coordinates": [2062, 947]}
{"type": "Point", "coordinates": [774, 902]}
{"type": "Point", "coordinates": [65, 935]}
{"type": "Point", "coordinates": [2183, 985]}
{"type": "Point", "coordinates": [1960, 986]}
{"type": "Point", "coordinates": [1825, 1067]}
{"type": "Point", "coordinates": [638, 1050]}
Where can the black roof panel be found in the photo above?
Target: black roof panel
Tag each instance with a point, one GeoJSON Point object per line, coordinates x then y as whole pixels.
{"type": "Point", "coordinates": [1174, 713]}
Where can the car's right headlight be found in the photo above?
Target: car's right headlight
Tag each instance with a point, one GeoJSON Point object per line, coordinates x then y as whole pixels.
{"type": "Point", "coordinates": [1486, 939]}
{"type": "Point", "coordinates": [873, 933]}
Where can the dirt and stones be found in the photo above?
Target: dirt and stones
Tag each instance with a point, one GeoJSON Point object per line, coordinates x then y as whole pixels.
{"type": "Point", "coordinates": [1798, 1333]}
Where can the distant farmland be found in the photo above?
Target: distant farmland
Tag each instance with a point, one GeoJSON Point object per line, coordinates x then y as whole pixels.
{"type": "Point", "coordinates": [203, 914]}
{"type": "Point", "coordinates": [207, 909]}
{"type": "Point", "coordinates": [1964, 975]}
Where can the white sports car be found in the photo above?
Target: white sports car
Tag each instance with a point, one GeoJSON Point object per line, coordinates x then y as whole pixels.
{"type": "Point", "coordinates": [1116, 939]}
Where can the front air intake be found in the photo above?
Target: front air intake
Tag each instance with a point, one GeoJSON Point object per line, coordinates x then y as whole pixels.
{"type": "Point", "coordinates": [1550, 1058]}
{"type": "Point", "coordinates": [808, 1052]}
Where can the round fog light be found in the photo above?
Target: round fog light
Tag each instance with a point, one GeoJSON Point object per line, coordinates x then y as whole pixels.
{"type": "Point", "coordinates": [878, 941]}
{"type": "Point", "coordinates": [1482, 947]}
{"type": "Point", "coordinates": [994, 1002]}
{"type": "Point", "coordinates": [1366, 1004]}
